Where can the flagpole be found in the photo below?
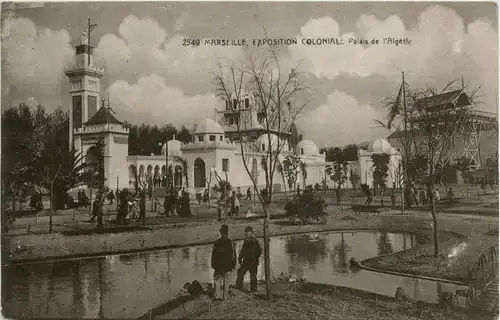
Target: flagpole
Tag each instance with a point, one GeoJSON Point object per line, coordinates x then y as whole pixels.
{"type": "Point", "coordinates": [403, 185]}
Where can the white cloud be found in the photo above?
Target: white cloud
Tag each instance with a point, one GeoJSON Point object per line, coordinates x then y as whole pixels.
{"type": "Point", "coordinates": [164, 104]}
{"type": "Point", "coordinates": [33, 60]}
{"type": "Point", "coordinates": [341, 120]}
{"type": "Point", "coordinates": [443, 49]}
{"type": "Point", "coordinates": [143, 47]}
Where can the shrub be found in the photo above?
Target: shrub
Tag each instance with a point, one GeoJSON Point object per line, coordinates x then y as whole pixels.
{"type": "Point", "coordinates": [308, 207]}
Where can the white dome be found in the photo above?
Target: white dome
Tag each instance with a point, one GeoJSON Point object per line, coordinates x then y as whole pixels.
{"type": "Point", "coordinates": [174, 148]}
{"type": "Point", "coordinates": [309, 147]}
{"type": "Point", "coordinates": [208, 126]}
{"type": "Point", "coordinates": [380, 145]}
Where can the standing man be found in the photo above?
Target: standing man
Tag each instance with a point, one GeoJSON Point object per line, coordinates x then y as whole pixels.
{"type": "Point", "coordinates": [249, 194]}
{"type": "Point", "coordinates": [249, 260]}
{"type": "Point", "coordinates": [223, 261]}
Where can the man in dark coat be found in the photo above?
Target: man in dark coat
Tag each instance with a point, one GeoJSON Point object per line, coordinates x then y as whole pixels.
{"type": "Point", "coordinates": [223, 261]}
{"type": "Point", "coordinates": [249, 260]}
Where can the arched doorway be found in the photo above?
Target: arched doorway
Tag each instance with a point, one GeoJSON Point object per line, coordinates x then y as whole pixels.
{"type": "Point", "coordinates": [199, 173]}
{"type": "Point", "coordinates": [149, 175]}
{"type": "Point", "coordinates": [156, 179]}
{"type": "Point", "coordinates": [178, 176]}
{"type": "Point", "coordinates": [141, 177]}
{"type": "Point", "coordinates": [132, 173]}
{"type": "Point", "coordinates": [163, 176]}
{"type": "Point", "coordinates": [95, 164]}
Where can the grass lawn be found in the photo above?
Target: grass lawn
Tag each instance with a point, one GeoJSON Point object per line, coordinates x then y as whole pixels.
{"type": "Point", "coordinates": [311, 301]}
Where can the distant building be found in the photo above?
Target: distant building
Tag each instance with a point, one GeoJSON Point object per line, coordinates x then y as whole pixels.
{"type": "Point", "coordinates": [216, 146]}
{"type": "Point", "coordinates": [361, 171]}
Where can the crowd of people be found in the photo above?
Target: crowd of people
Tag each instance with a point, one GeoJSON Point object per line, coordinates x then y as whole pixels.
{"type": "Point", "coordinates": [177, 203]}
{"type": "Point", "coordinates": [224, 262]}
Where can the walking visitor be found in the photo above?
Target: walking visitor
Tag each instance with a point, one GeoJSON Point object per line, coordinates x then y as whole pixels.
{"type": "Point", "coordinates": [249, 260]}
{"type": "Point", "coordinates": [111, 197]}
{"type": "Point", "coordinates": [450, 197]}
{"type": "Point", "coordinates": [423, 197]}
{"type": "Point", "coordinates": [369, 197]}
{"type": "Point", "coordinates": [436, 195]}
{"type": "Point", "coordinates": [393, 197]}
{"type": "Point", "coordinates": [235, 204]}
{"type": "Point", "coordinates": [223, 262]}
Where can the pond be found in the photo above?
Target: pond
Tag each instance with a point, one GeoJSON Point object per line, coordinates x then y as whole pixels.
{"type": "Point", "coordinates": [127, 286]}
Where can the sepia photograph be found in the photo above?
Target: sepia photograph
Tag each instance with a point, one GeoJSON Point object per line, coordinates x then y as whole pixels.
{"type": "Point", "coordinates": [249, 160]}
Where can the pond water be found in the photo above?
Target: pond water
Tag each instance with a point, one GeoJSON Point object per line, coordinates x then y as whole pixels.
{"type": "Point", "coordinates": [127, 286]}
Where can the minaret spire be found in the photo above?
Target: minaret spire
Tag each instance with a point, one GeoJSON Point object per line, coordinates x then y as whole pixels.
{"type": "Point", "coordinates": [91, 27]}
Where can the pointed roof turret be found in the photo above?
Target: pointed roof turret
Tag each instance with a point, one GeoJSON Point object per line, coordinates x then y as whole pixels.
{"type": "Point", "coordinates": [103, 116]}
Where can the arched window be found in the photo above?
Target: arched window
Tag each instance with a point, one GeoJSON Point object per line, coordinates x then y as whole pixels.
{"type": "Point", "coordinates": [247, 103]}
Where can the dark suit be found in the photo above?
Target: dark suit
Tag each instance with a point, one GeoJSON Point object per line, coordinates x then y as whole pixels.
{"type": "Point", "coordinates": [223, 261]}
{"type": "Point", "coordinates": [249, 258]}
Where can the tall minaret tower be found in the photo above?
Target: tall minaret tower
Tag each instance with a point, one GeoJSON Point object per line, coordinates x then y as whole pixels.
{"type": "Point", "coordinates": [84, 83]}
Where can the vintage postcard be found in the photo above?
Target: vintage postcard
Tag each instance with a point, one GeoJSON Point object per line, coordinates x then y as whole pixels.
{"type": "Point", "coordinates": [250, 160]}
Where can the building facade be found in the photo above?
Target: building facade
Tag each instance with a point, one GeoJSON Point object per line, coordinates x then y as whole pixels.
{"type": "Point", "coordinates": [231, 147]}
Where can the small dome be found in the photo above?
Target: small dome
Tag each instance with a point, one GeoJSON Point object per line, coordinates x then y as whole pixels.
{"type": "Point", "coordinates": [380, 146]}
{"type": "Point", "coordinates": [208, 126]}
{"type": "Point", "coordinates": [309, 147]}
{"type": "Point", "coordinates": [174, 148]}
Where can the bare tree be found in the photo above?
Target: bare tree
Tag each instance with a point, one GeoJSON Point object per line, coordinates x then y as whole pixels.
{"type": "Point", "coordinates": [436, 124]}
{"type": "Point", "coordinates": [275, 91]}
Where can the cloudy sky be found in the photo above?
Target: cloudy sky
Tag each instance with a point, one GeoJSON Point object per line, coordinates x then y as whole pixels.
{"type": "Point", "coordinates": [151, 77]}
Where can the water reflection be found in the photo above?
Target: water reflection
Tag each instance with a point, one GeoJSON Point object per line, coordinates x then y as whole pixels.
{"type": "Point", "coordinates": [339, 257]}
{"type": "Point", "coordinates": [385, 244]}
{"type": "Point", "coordinates": [127, 286]}
{"type": "Point", "coordinates": [307, 249]}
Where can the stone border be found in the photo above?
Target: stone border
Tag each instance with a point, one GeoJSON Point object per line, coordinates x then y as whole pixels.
{"type": "Point", "coordinates": [19, 262]}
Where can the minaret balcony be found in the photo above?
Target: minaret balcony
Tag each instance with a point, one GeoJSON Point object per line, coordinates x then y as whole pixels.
{"type": "Point", "coordinates": [81, 68]}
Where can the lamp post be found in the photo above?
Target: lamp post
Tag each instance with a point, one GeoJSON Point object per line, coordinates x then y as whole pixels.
{"type": "Point", "coordinates": [92, 174]}
{"type": "Point", "coordinates": [166, 167]}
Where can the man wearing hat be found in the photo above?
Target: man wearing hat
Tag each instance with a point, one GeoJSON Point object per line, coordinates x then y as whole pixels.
{"type": "Point", "coordinates": [223, 261]}
{"type": "Point", "coordinates": [249, 259]}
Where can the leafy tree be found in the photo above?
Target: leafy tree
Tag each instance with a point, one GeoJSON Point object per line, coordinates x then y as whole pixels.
{"type": "Point", "coordinates": [291, 165]}
{"type": "Point", "coordinates": [338, 173]}
{"type": "Point", "coordinates": [381, 166]}
{"type": "Point", "coordinates": [350, 152]}
{"type": "Point", "coordinates": [418, 168]}
{"type": "Point", "coordinates": [143, 139]}
{"type": "Point", "coordinates": [20, 149]}
{"type": "Point", "coordinates": [303, 171]}
{"type": "Point", "coordinates": [307, 207]}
